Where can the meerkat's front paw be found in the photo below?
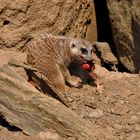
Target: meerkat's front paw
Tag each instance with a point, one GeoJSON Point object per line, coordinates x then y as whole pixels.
{"type": "Point", "coordinates": [74, 82]}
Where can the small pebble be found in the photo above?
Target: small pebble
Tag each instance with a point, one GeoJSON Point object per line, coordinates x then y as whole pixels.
{"type": "Point", "coordinates": [70, 99]}
{"type": "Point", "coordinates": [127, 129]}
{"type": "Point", "coordinates": [118, 127]}
{"type": "Point", "coordinates": [136, 128]}
{"type": "Point", "coordinates": [74, 106]}
{"type": "Point", "coordinates": [91, 105]}
{"type": "Point", "coordinates": [49, 136]}
{"type": "Point", "coordinates": [121, 102]}
{"type": "Point", "coordinates": [97, 113]}
{"type": "Point", "coordinates": [131, 137]}
{"type": "Point", "coordinates": [89, 101]}
{"type": "Point", "coordinates": [134, 120]}
{"type": "Point", "coordinates": [112, 111]}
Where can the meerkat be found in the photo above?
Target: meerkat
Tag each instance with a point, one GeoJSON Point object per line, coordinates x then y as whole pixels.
{"type": "Point", "coordinates": [51, 55]}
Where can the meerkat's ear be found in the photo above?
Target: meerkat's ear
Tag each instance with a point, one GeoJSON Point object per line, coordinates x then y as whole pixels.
{"type": "Point", "coordinates": [73, 44]}
{"type": "Point", "coordinates": [92, 50]}
{"type": "Point", "coordinates": [94, 46]}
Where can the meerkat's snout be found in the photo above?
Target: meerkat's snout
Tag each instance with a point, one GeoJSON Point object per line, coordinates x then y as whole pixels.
{"type": "Point", "coordinates": [85, 54]}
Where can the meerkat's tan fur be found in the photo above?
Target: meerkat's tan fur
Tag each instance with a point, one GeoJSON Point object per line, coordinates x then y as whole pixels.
{"type": "Point", "coordinates": [52, 55]}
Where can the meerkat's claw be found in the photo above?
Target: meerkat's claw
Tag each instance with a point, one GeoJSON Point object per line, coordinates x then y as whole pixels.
{"type": "Point", "coordinates": [79, 85]}
{"type": "Point", "coordinates": [99, 89]}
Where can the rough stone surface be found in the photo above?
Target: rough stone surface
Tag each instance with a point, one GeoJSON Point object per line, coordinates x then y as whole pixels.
{"type": "Point", "coordinates": [24, 19]}
{"type": "Point", "coordinates": [106, 55]}
{"type": "Point", "coordinates": [125, 21]}
{"type": "Point", "coordinates": [6, 56]}
{"type": "Point", "coordinates": [96, 113]}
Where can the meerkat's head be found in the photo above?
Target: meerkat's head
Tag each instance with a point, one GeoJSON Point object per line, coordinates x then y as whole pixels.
{"type": "Point", "coordinates": [81, 49]}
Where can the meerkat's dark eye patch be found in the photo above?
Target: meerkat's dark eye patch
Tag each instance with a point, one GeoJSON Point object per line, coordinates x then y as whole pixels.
{"type": "Point", "coordinates": [91, 51]}
{"type": "Point", "coordinates": [84, 50]}
{"type": "Point", "coordinates": [73, 45]}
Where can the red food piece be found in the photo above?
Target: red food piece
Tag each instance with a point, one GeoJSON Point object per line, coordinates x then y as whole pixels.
{"type": "Point", "coordinates": [86, 67]}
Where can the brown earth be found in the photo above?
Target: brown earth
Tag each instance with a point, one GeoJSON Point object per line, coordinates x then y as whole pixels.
{"type": "Point", "coordinates": [116, 111]}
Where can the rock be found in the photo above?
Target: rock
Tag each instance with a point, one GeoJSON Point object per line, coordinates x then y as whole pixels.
{"type": "Point", "coordinates": [131, 137]}
{"type": "Point", "coordinates": [70, 99]}
{"type": "Point", "coordinates": [49, 136]}
{"type": "Point", "coordinates": [125, 21]}
{"type": "Point", "coordinates": [134, 120]}
{"type": "Point", "coordinates": [20, 21]}
{"type": "Point", "coordinates": [136, 128]}
{"type": "Point", "coordinates": [106, 54]}
{"type": "Point", "coordinates": [120, 109]}
{"type": "Point", "coordinates": [91, 105]}
{"type": "Point", "coordinates": [90, 102]}
{"type": "Point", "coordinates": [18, 98]}
{"type": "Point", "coordinates": [70, 138]}
{"type": "Point", "coordinates": [127, 129]}
{"type": "Point", "coordinates": [97, 113]}
{"type": "Point", "coordinates": [6, 56]}
{"type": "Point", "coordinates": [74, 106]}
{"type": "Point", "coordinates": [118, 127]}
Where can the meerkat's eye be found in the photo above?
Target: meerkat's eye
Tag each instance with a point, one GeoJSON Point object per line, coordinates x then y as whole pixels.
{"type": "Point", "coordinates": [84, 50]}
{"type": "Point", "coordinates": [72, 45]}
